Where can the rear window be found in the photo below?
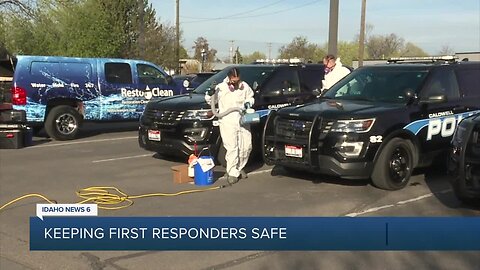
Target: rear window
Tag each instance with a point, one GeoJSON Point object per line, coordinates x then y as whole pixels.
{"type": "Point", "coordinates": [45, 69]}
{"type": "Point", "coordinates": [469, 81]}
{"type": "Point", "coordinates": [118, 73]}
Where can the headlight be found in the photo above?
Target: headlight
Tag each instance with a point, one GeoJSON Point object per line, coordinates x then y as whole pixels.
{"type": "Point", "coordinates": [198, 115]}
{"type": "Point", "coordinates": [357, 126]}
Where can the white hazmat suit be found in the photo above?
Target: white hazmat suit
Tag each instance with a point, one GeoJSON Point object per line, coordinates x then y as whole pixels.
{"type": "Point", "coordinates": [236, 138]}
{"type": "Point", "coordinates": [332, 77]}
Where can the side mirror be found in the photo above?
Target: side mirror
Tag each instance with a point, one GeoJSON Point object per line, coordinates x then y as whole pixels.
{"type": "Point", "coordinates": [170, 80]}
{"type": "Point", "coordinates": [409, 95]}
{"type": "Point", "coordinates": [255, 86]}
{"type": "Point", "coordinates": [316, 92]}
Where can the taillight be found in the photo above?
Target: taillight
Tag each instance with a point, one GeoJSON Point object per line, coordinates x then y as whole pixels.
{"type": "Point", "coordinates": [19, 96]}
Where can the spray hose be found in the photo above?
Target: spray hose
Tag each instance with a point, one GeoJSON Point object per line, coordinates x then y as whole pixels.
{"type": "Point", "coordinates": [213, 101]}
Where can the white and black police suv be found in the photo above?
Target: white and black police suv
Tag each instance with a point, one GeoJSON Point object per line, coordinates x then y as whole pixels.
{"type": "Point", "coordinates": [379, 122]}
{"type": "Point", "coordinates": [464, 161]}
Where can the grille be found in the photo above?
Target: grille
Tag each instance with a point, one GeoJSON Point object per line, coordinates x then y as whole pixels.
{"type": "Point", "coordinates": [164, 116]}
{"type": "Point", "coordinates": [293, 128]}
{"type": "Point", "coordinates": [297, 129]}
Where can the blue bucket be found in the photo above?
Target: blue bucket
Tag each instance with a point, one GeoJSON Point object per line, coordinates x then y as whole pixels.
{"type": "Point", "coordinates": [202, 178]}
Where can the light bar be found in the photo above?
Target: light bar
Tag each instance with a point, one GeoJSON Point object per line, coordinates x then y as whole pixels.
{"type": "Point", "coordinates": [280, 61]}
{"type": "Point", "coordinates": [423, 58]}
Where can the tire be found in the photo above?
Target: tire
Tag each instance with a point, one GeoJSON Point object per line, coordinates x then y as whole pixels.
{"type": "Point", "coordinates": [394, 165]}
{"type": "Point", "coordinates": [63, 123]}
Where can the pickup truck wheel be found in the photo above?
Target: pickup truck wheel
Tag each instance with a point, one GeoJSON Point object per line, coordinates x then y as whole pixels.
{"type": "Point", "coordinates": [63, 123]}
{"type": "Point", "coordinates": [394, 166]}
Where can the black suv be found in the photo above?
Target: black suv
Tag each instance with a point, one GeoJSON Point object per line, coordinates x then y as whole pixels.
{"type": "Point", "coordinates": [464, 162]}
{"type": "Point", "coordinates": [379, 122]}
{"type": "Point", "coordinates": [174, 125]}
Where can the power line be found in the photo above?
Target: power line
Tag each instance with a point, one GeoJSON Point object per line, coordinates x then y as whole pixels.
{"type": "Point", "coordinates": [257, 15]}
{"type": "Point", "coordinates": [236, 14]}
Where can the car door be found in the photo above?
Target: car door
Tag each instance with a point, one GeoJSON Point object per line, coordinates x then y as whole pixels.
{"type": "Point", "coordinates": [119, 93]}
{"type": "Point", "coordinates": [440, 102]}
{"type": "Point", "coordinates": [154, 82]}
{"type": "Point", "coordinates": [281, 89]}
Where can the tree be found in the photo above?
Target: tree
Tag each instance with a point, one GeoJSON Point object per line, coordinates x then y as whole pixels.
{"type": "Point", "coordinates": [237, 57]}
{"type": "Point", "coordinates": [348, 51]}
{"type": "Point", "coordinates": [201, 45]}
{"type": "Point", "coordinates": [446, 50]}
{"type": "Point", "coordinates": [381, 47]}
{"type": "Point", "coordinates": [250, 58]}
{"type": "Point", "coordinates": [301, 48]}
{"type": "Point", "coordinates": [90, 28]}
{"type": "Point", "coordinates": [411, 49]}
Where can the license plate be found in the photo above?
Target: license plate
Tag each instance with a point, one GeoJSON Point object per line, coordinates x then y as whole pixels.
{"type": "Point", "coordinates": [293, 151]}
{"type": "Point", "coordinates": [154, 135]}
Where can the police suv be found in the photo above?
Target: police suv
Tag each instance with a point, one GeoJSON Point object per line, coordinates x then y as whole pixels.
{"type": "Point", "coordinates": [379, 122]}
{"type": "Point", "coordinates": [464, 161]}
{"type": "Point", "coordinates": [181, 124]}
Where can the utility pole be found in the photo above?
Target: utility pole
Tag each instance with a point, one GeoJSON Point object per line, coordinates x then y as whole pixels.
{"type": "Point", "coordinates": [231, 51]}
{"type": "Point", "coordinates": [333, 28]}
{"type": "Point", "coordinates": [361, 40]}
{"type": "Point", "coordinates": [269, 45]}
{"type": "Point", "coordinates": [177, 36]}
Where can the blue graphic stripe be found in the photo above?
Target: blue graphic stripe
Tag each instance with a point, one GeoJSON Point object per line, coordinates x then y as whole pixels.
{"type": "Point", "coordinates": [416, 126]}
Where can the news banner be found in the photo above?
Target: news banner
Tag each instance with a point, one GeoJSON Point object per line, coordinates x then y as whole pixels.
{"type": "Point", "coordinates": [77, 227]}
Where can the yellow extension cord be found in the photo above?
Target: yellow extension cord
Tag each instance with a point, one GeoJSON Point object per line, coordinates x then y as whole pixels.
{"type": "Point", "coordinates": [107, 197]}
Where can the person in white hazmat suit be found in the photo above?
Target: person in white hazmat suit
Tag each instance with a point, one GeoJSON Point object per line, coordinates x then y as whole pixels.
{"type": "Point", "coordinates": [236, 138]}
{"type": "Point", "coordinates": [334, 71]}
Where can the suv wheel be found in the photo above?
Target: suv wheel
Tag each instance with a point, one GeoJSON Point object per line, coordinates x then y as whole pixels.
{"type": "Point", "coordinates": [63, 123]}
{"type": "Point", "coordinates": [394, 165]}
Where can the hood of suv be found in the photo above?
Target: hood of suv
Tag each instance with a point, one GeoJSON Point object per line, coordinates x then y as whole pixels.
{"type": "Point", "coordinates": [181, 102]}
{"type": "Point", "coordinates": [339, 109]}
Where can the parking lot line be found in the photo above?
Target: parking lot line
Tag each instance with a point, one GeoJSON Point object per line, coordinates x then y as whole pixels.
{"type": "Point", "coordinates": [376, 209]}
{"type": "Point", "coordinates": [81, 142]}
{"type": "Point", "coordinates": [120, 158]}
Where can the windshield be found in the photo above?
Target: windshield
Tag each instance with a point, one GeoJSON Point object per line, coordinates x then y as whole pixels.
{"type": "Point", "coordinates": [249, 74]}
{"type": "Point", "coordinates": [375, 84]}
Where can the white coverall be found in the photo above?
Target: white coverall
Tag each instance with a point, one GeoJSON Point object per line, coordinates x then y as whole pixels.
{"type": "Point", "coordinates": [236, 138]}
{"type": "Point", "coordinates": [331, 78]}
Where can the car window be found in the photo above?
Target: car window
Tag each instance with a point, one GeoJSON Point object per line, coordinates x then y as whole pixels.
{"type": "Point", "coordinates": [469, 80]}
{"type": "Point", "coordinates": [311, 79]}
{"type": "Point", "coordinates": [45, 69]}
{"type": "Point", "coordinates": [118, 73]}
{"type": "Point", "coordinates": [442, 82]}
{"type": "Point", "coordinates": [248, 74]}
{"type": "Point", "coordinates": [150, 75]}
{"type": "Point", "coordinates": [286, 80]}
{"type": "Point", "coordinates": [375, 84]}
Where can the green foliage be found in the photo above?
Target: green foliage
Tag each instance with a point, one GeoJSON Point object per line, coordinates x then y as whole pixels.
{"type": "Point", "coordinates": [237, 57]}
{"type": "Point", "coordinates": [90, 28]}
{"type": "Point", "coordinates": [250, 58]}
{"type": "Point", "coordinates": [300, 48]}
{"type": "Point", "coordinates": [347, 51]}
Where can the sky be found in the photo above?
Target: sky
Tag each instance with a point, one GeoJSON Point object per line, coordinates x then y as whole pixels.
{"type": "Point", "coordinates": [429, 24]}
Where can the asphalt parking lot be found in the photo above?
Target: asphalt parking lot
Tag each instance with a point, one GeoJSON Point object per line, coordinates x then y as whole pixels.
{"type": "Point", "coordinates": [108, 155]}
